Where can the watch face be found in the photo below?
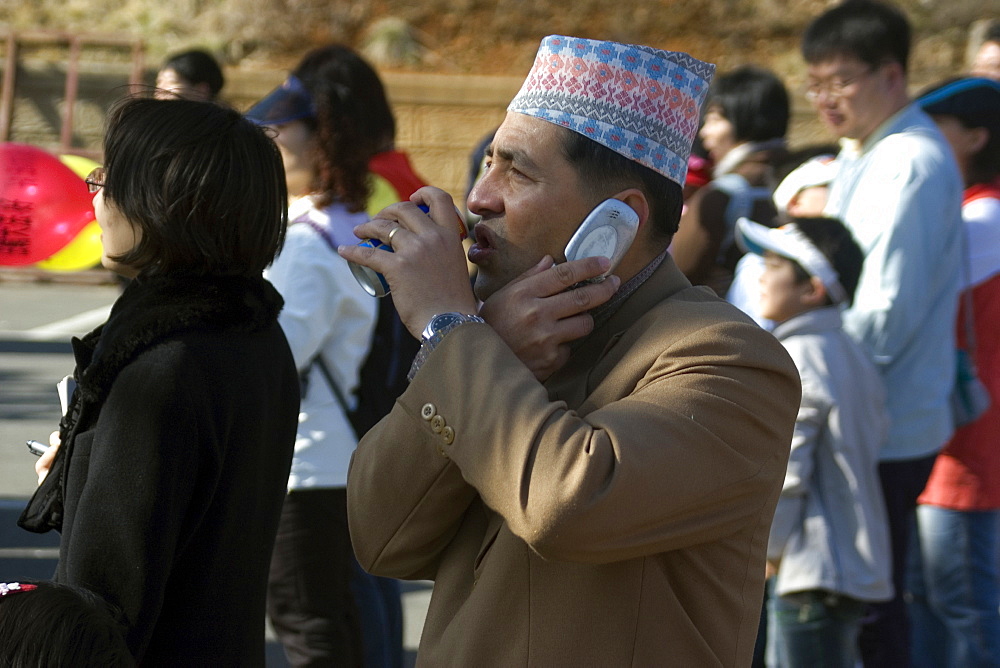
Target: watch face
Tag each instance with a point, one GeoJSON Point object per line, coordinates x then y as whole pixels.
{"type": "Point", "coordinates": [442, 322]}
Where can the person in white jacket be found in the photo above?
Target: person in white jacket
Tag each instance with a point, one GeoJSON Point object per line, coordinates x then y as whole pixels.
{"type": "Point", "coordinates": [320, 126]}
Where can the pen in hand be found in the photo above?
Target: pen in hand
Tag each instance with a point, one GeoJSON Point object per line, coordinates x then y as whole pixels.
{"type": "Point", "coordinates": [37, 448]}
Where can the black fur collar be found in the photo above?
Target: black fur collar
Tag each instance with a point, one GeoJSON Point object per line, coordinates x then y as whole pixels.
{"type": "Point", "coordinates": [153, 308]}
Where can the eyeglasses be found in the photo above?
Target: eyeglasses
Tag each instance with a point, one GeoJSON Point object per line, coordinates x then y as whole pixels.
{"type": "Point", "coordinates": [95, 180]}
{"type": "Point", "coordinates": [835, 87]}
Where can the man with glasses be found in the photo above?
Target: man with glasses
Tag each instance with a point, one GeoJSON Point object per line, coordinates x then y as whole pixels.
{"type": "Point", "coordinates": [899, 192]}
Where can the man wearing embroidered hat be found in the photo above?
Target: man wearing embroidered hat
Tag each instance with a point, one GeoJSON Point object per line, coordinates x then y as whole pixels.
{"type": "Point", "coordinates": [829, 542]}
{"type": "Point", "coordinates": [589, 475]}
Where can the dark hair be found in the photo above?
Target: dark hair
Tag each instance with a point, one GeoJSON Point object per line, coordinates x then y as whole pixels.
{"type": "Point", "coordinates": [984, 166]}
{"type": "Point", "coordinates": [873, 32]}
{"type": "Point", "coordinates": [353, 121]}
{"type": "Point", "coordinates": [754, 100]}
{"type": "Point", "coordinates": [795, 159]}
{"type": "Point", "coordinates": [608, 171]}
{"type": "Point", "coordinates": [832, 238]}
{"type": "Point", "coordinates": [992, 32]}
{"type": "Point", "coordinates": [205, 186]}
{"type": "Point", "coordinates": [60, 625]}
{"type": "Point", "coordinates": [197, 66]}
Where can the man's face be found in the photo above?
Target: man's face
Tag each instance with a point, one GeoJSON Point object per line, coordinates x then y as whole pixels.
{"type": "Point", "coordinates": [530, 198]}
{"type": "Point", "coordinates": [171, 85]}
{"type": "Point", "coordinates": [851, 97]}
{"type": "Point", "coordinates": [987, 62]}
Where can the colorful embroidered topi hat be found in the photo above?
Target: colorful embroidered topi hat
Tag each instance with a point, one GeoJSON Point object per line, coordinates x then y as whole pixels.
{"type": "Point", "coordinates": [638, 101]}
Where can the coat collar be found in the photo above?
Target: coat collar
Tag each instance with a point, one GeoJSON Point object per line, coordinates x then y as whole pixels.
{"type": "Point", "coordinates": [910, 119]}
{"type": "Point", "coordinates": [566, 384]}
{"type": "Point", "coordinates": [156, 307]}
{"type": "Point", "coordinates": [815, 321]}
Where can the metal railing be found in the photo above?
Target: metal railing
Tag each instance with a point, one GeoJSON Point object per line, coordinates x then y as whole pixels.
{"type": "Point", "coordinates": [76, 43]}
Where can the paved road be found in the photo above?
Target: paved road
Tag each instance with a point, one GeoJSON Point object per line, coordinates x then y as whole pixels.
{"type": "Point", "coordinates": [37, 320]}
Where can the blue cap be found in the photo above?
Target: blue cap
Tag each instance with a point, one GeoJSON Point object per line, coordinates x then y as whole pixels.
{"type": "Point", "coordinates": [288, 102]}
{"type": "Point", "coordinates": [974, 100]}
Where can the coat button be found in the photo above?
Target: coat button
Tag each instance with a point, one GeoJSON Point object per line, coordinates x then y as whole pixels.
{"type": "Point", "coordinates": [440, 451]}
{"type": "Point", "coordinates": [448, 434]}
{"type": "Point", "coordinates": [428, 411]}
{"type": "Point", "coordinates": [437, 424]}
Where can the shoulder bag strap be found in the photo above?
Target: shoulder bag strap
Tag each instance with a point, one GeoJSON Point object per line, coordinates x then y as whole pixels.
{"type": "Point", "coordinates": [318, 360]}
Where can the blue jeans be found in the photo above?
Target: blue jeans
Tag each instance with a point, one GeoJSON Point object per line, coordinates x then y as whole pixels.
{"type": "Point", "coordinates": [814, 628]}
{"type": "Point", "coordinates": [380, 608]}
{"type": "Point", "coordinates": [955, 588]}
{"type": "Point", "coordinates": [885, 629]}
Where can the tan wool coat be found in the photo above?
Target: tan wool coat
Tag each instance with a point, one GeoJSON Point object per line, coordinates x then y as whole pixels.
{"type": "Point", "coordinates": [617, 515]}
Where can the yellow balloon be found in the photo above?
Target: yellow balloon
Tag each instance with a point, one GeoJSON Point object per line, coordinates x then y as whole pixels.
{"type": "Point", "coordinates": [383, 194]}
{"type": "Point", "coordinates": [83, 252]}
{"type": "Point", "coordinates": [80, 165]}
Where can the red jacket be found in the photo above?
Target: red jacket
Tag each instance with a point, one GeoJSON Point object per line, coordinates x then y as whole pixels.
{"type": "Point", "coordinates": [966, 475]}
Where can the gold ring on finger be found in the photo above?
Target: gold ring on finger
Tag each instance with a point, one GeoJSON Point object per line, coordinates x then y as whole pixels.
{"type": "Point", "coordinates": [392, 233]}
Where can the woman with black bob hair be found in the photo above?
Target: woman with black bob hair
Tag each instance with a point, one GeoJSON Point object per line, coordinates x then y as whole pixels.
{"type": "Point", "coordinates": [205, 190]}
{"type": "Point", "coordinates": [175, 449]}
{"type": "Point", "coordinates": [743, 130]}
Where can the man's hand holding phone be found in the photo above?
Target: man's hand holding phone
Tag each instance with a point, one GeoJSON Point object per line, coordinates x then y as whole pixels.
{"type": "Point", "coordinates": [537, 317]}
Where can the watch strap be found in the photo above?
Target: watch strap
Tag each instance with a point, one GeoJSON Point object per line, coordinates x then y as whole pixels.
{"type": "Point", "coordinates": [433, 335]}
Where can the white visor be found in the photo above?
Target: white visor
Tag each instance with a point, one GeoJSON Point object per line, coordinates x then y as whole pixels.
{"type": "Point", "coordinates": [818, 171]}
{"type": "Point", "coordinates": [788, 241]}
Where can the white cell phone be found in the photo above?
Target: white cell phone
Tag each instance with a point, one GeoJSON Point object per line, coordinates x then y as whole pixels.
{"type": "Point", "coordinates": [608, 230]}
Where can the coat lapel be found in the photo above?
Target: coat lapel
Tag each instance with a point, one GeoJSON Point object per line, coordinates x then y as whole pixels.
{"type": "Point", "coordinates": [591, 360]}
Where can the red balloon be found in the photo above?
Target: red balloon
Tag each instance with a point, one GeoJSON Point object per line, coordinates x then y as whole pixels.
{"type": "Point", "coordinates": [43, 204]}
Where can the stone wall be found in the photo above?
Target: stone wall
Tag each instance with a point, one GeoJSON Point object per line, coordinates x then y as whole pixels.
{"type": "Point", "coordinates": [439, 117]}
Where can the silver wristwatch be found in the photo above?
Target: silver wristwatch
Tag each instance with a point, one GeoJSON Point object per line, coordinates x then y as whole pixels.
{"type": "Point", "coordinates": [434, 332]}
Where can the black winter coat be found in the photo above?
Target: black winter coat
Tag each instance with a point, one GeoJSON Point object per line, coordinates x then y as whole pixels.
{"type": "Point", "coordinates": [175, 458]}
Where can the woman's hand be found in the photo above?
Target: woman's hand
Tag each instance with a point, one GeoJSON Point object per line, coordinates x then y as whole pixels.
{"type": "Point", "coordinates": [44, 462]}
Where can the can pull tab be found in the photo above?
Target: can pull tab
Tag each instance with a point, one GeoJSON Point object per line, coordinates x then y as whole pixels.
{"type": "Point", "coordinates": [463, 231]}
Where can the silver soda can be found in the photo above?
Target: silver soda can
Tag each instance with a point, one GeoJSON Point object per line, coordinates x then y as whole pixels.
{"type": "Point", "coordinates": [373, 282]}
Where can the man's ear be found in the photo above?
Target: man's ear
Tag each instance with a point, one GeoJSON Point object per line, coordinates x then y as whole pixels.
{"type": "Point", "coordinates": [978, 138]}
{"type": "Point", "coordinates": [638, 203]}
{"type": "Point", "coordinates": [817, 294]}
{"type": "Point", "coordinates": [895, 75]}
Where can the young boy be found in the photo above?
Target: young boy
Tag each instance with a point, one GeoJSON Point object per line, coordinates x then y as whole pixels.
{"type": "Point", "coordinates": [829, 543]}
